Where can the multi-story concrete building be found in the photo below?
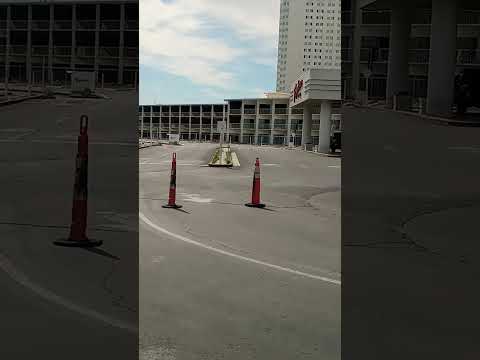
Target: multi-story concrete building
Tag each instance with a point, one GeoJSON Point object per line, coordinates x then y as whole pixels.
{"type": "Point", "coordinates": [267, 120]}
{"type": "Point", "coordinates": [409, 46]}
{"type": "Point", "coordinates": [40, 41]}
{"type": "Point", "coordinates": [191, 121]}
{"type": "Point", "coordinates": [309, 38]}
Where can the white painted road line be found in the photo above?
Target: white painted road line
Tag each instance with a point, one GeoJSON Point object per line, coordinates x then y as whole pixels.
{"type": "Point", "coordinates": [236, 256]}
{"type": "Point", "coordinates": [7, 266]}
{"type": "Point", "coordinates": [335, 166]}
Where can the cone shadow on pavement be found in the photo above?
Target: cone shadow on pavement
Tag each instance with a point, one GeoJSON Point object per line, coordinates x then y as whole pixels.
{"type": "Point", "coordinates": [102, 253]}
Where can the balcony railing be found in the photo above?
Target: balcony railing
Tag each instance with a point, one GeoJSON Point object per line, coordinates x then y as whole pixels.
{"type": "Point", "coordinates": [130, 52]}
{"type": "Point", "coordinates": [108, 52]}
{"type": "Point", "coordinates": [280, 126]}
{"type": "Point", "coordinates": [218, 114]}
{"type": "Point", "coordinates": [347, 18]}
{"type": "Point", "coordinates": [418, 56]}
{"type": "Point", "coordinates": [195, 126]}
{"type": "Point", "coordinates": [378, 55]}
{"type": "Point", "coordinates": [468, 57]}
{"type": "Point", "coordinates": [207, 114]}
{"type": "Point", "coordinates": [297, 111]}
{"type": "Point", "coordinates": [19, 24]}
{"type": "Point", "coordinates": [265, 111]}
{"type": "Point", "coordinates": [85, 51]}
{"type": "Point", "coordinates": [206, 126]}
{"type": "Point", "coordinates": [40, 24]}
{"type": "Point", "coordinates": [347, 54]}
{"type": "Point", "coordinates": [469, 17]}
{"type": "Point", "coordinates": [62, 51]}
{"type": "Point", "coordinates": [234, 126]}
{"type": "Point", "coordinates": [248, 126]}
{"type": "Point", "coordinates": [264, 127]}
{"type": "Point", "coordinates": [422, 17]}
{"type": "Point", "coordinates": [86, 24]}
{"type": "Point", "coordinates": [165, 114]}
{"type": "Point", "coordinates": [315, 126]}
{"type": "Point", "coordinates": [63, 24]}
{"type": "Point", "coordinates": [18, 50]}
{"type": "Point", "coordinates": [281, 111]}
{"type": "Point", "coordinates": [39, 50]}
{"type": "Point", "coordinates": [131, 25]}
{"type": "Point", "coordinates": [235, 111]}
{"type": "Point", "coordinates": [110, 25]}
{"type": "Point", "coordinates": [249, 111]}
{"type": "Point", "coordinates": [376, 17]}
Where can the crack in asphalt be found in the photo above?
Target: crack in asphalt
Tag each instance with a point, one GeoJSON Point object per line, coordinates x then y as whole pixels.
{"type": "Point", "coordinates": [409, 241]}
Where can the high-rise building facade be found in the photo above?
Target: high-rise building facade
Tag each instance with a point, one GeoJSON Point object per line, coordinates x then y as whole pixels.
{"type": "Point", "coordinates": [309, 38]}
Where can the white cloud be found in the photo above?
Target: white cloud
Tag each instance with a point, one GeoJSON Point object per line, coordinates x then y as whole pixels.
{"type": "Point", "coordinates": [177, 36]}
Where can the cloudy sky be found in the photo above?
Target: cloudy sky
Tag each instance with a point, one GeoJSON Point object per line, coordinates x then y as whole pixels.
{"type": "Point", "coordinates": [201, 51]}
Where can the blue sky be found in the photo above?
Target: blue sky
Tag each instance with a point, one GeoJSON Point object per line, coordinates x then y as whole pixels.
{"type": "Point", "coordinates": [202, 51]}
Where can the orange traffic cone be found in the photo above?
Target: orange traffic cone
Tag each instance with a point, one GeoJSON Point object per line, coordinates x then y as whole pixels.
{"type": "Point", "coordinates": [256, 187]}
{"type": "Point", "coordinates": [78, 226]}
{"type": "Point", "coordinates": [173, 186]}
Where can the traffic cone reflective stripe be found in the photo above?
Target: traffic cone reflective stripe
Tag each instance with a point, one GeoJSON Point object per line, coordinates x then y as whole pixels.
{"type": "Point", "coordinates": [78, 227]}
{"type": "Point", "coordinates": [256, 187]}
{"type": "Point", "coordinates": [173, 185]}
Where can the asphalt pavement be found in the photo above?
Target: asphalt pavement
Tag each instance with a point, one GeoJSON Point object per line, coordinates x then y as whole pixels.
{"type": "Point", "coordinates": [65, 302]}
{"type": "Point", "coordinates": [410, 198]}
{"type": "Point", "coordinates": [219, 280]}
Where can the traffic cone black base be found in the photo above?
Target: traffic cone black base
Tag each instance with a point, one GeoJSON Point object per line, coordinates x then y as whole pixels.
{"type": "Point", "coordinates": [75, 243]}
{"type": "Point", "coordinates": [172, 206]}
{"type": "Point", "coordinates": [256, 205]}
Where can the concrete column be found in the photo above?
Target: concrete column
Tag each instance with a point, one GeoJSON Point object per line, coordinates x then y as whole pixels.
{"type": "Point", "coordinates": [211, 123]}
{"type": "Point", "coordinates": [97, 39]}
{"type": "Point", "coordinates": [180, 120]}
{"type": "Point", "coordinates": [74, 37]}
{"type": "Point", "coordinates": [169, 119]}
{"type": "Point", "coordinates": [242, 107]}
{"type": "Point", "coordinates": [151, 124]}
{"type": "Point", "coordinates": [325, 124]}
{"type": "Point", "coordinates": [190, 123]}
{"type": "Point", "coordinates": [397, 78]}
{"type": "Point", "coordinates": [227, 119]}
{"type": "Point", "coordinates": [441, 71]}
{"type": "Point", "coordinates": [50, 44]}
{"type": "Point", "coordinates": [7, 50]}
{"type": "Point", "coordinates": [272, 122]}
{"type": "Point", "coordinates": [141, 124]}
{"type": "Point", "coordinates": [289, 124]}
{"type": "Point", "coordinates": [201, 125]}
{"type": "Point", "coordinates": [121, 45]}
{"type": "Point", "coordinates": [160, 123]}
{"type": "Point", "coordinates": [257, 120]}
{"type": "Point", "coordinates": [307, 124]}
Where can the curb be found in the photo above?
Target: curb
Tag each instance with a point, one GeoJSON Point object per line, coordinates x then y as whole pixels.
{"type": "Point", "coordinates": [338, 155]}
{"type": "Point", "coordinates": [435, 119]}
{"type": "Point", "coordinates": [19, 100]}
